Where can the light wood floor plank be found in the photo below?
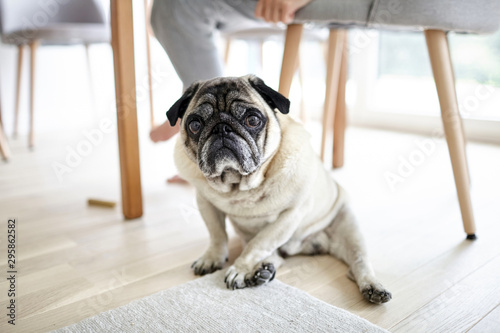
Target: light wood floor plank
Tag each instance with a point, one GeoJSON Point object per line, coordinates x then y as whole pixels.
{"type": "Point", "coordinates": [461, 306]}
{"type": "Point", "coordinates": [489, 323]}
{"type": "Point", "coordinates": [76, 261]}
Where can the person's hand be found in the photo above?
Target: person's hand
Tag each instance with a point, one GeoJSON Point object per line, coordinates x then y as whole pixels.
{"type": "Point", "coordinates": [279, 10]}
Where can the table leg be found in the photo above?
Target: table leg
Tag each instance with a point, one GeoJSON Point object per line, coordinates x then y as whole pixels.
{"type": "Point", "coordinates": [126, 106]}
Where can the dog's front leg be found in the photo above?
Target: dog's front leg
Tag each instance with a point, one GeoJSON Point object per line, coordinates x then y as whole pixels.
{"type": "Point", "coordinates": [258, 261]}
{"type": "Point", "coordinates": [216, 254]}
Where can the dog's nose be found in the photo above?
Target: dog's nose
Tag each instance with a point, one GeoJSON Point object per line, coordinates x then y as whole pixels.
{"type": "Point", "coordinates": [222, 128]}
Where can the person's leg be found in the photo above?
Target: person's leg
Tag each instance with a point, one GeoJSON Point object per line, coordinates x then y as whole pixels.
{"type": "Point", "coordinates": [163, 132]}
{"type": "Point", "coordinates": [185, 29]}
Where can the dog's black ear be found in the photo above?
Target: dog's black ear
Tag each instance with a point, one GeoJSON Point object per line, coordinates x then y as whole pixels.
{"type": "Point", "coordinates": [179, 108]}
{"type": "Point", "coordinates": [271, 96]}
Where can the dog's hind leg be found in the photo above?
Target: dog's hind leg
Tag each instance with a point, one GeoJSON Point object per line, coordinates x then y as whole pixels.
{"type": "Point", "coordinates": [347, 244]}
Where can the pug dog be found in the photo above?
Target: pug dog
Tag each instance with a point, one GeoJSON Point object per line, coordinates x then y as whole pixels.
{"type": "Point", "coordinates": [252, 164]}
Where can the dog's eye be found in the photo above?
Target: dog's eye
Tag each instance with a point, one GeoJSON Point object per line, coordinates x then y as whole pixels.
{"type": "Point", "coordinates": [252, 121]}
{"type": "Point", "coordinates": [195, 126]}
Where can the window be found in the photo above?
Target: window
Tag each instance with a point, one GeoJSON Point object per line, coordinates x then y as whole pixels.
{"type": "Point", "coordinates": [394, 87]}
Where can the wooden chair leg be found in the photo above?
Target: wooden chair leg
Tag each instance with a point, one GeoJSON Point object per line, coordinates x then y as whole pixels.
{"type": "Point", "coordinates": [290, 57]}
{"type": "Point", "coordinates": [93, 99]}
{"type": "Point", "coordinates": [442, 69]}
{"type": "Point", "coordinates": [4, 146]}
{"type": "Point", "coordinates": [20, 56]}
{"type": "Point", "coordinates": [339, 123]}
{"type": "Point", "coordinates": [303, 113]}
{"type": "Point", "coordinates": [147, 11]}
{"type": "Point", "coordinates": [335, 46]}
{"type": "Point", "coordinates": [33, 48]}
{"type": "Point", "coordinates": [261, 55]}
{"type": "Point", "coordinates": [227, 50]}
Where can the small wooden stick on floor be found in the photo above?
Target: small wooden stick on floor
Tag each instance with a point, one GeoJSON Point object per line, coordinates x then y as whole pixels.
{"type": "Point", "coordinates": [102, 203]}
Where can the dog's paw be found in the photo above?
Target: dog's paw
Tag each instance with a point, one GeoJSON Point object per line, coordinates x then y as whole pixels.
{"type": "Point", "coordinates": [235, 278]}
{"type": "Point", "coordinates": [376, 293]}
{"type": "Point", "coordinates": [238, 278]}
{"type": "Point", "coordinates": [209, 263]}
{"type": "Point", "coordinates": [264, 273]}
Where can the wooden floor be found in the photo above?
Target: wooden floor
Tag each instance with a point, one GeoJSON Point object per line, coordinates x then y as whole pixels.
{"type": "Point", "coordinates": [76, 261]}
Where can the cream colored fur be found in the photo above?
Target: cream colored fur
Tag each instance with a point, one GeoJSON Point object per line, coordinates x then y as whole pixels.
{"type": "Point", "coordinates": [290, 203]}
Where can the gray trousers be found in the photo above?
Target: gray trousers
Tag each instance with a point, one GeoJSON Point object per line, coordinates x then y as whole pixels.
{"type": "Point", "coordinates": [185, 29]}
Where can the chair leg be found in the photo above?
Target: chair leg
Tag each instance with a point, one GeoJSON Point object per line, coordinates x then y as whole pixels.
{"type": "Point", "coordinates": [339, 123]}
{"type": "Point", "coordinates": [4, 147]}
{"type": "Point", "coordinates": [33, 48]}
{"type": "Point", "coordinates": [442, 69]}
{"type": "Point", "coordinates": [20, 49]}
{"type": "Point", "coordinates": [335, 46]}
{"type": "Point", "coordinates": [147, 11]}
{"type": "Point", "coordinates": [227, 50]}
{"type": "Point", "coordinates": [303, 114]}
{"type": "Point", "coordinates": [290, 57]}
{"type": "Point", "coordinates": [261, 55]}
{"type": "Point", "coordinates": [93, 98]}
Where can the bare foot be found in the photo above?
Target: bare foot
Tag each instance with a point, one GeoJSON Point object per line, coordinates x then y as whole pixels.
{"type": "Point", "coordinates": [163, 132]}
{"type": "Point", "coordinates": [176, 180]}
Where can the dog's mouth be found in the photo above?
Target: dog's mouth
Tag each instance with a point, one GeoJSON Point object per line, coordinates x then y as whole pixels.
{"type": "Point", "coordinates": [230, 176]}
{"type": "Point", "coordinates": [224, 156]}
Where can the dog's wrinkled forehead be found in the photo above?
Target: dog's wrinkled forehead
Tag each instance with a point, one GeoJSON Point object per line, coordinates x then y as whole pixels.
{"type": "Point", "coordinates": [223, 95]}
{"type": "Point", "coordinates": [232, 94]}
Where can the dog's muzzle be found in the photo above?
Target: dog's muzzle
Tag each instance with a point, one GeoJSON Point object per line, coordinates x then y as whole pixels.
{"type": "Point", "coordinates": [226, 150]}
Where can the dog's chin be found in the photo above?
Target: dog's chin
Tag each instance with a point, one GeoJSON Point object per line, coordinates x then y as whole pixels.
{"type": "Point", "coordinates": [227, 158]}
{"type": "Point", "coordinates": [227, 168]}
{"type": "Point", "coordinates": [229, 175]}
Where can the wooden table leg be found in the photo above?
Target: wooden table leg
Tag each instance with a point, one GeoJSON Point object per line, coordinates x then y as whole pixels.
{"type": "Point", "coordinates": [126, 107]}
{"type": "Point", "coordinates": [147, 10]}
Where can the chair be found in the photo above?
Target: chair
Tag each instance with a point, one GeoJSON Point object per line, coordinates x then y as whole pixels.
{"type": "Point", "coordinates": [260, 34]}
{"type": "Point", "coordinates": [435, 18]}
{"type": "Point", "coordinates": [4, 146]}
{"type": "Point", "coordinates": [32, 22]}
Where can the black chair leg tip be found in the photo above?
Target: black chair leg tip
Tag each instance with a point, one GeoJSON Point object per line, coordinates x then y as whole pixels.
{"type": "Point", "coordinates": [472, 237]}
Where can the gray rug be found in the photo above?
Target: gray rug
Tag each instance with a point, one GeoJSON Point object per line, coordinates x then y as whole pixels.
{"type": "Point", "coordinates": [205, 305]}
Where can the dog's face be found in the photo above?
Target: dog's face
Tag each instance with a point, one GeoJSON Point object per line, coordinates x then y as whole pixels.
{"type": "Point", "coordinates": [229, 126]}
